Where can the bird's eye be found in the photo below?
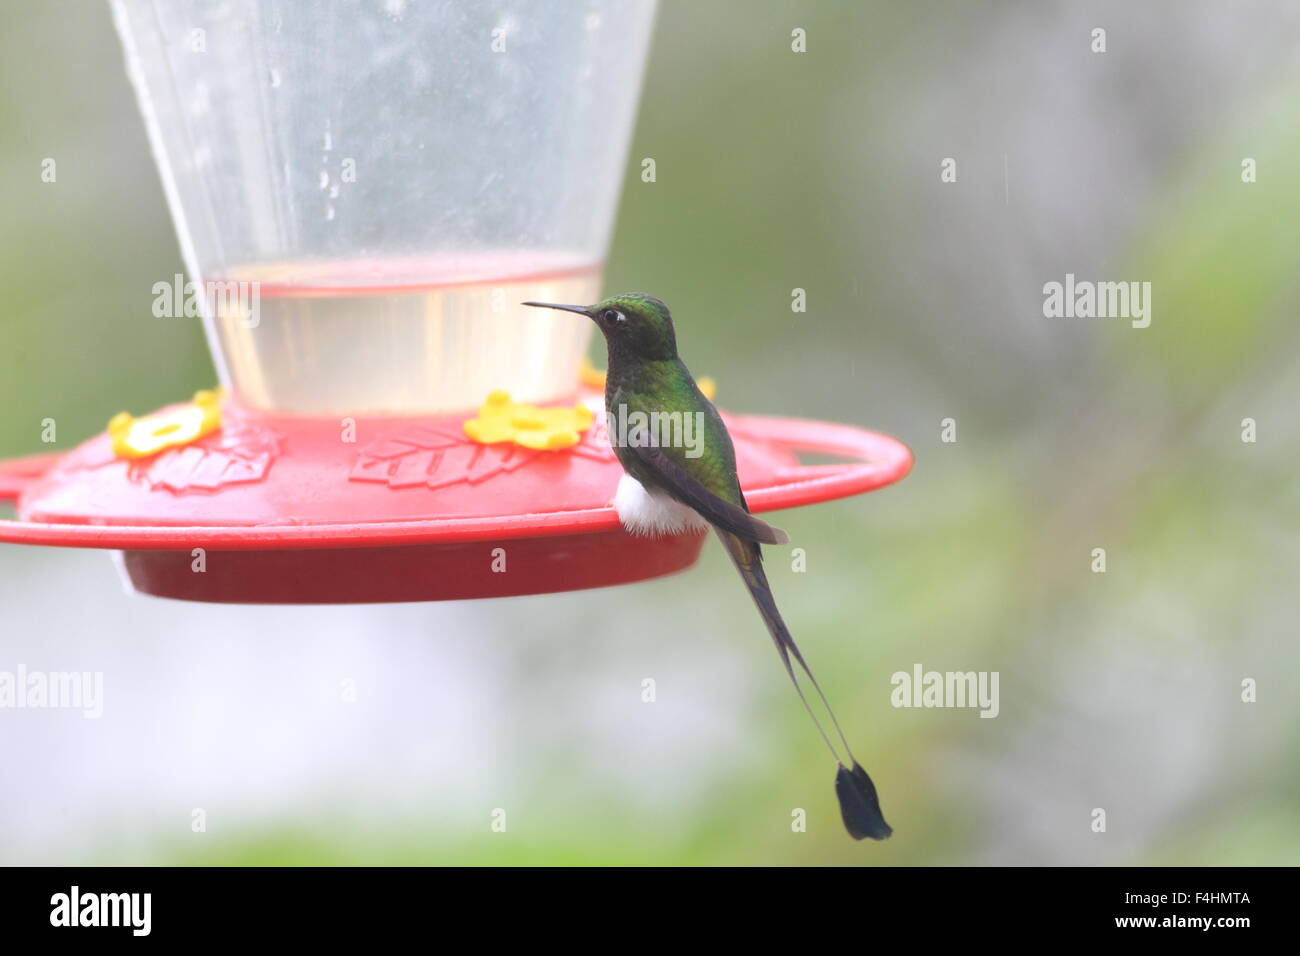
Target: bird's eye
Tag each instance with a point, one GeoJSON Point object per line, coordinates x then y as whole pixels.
{"type": "Point", "coordinates": [613, 315]}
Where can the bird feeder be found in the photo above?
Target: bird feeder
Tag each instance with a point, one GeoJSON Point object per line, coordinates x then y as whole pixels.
{"type": "Point", "coordinates": [364, 196]}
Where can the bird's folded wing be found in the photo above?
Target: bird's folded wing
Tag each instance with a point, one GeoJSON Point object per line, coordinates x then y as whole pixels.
{"type": "Point", "coordinates": [717, 511]}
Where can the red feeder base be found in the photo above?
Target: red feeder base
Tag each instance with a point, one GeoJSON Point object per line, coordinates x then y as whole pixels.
{"type": "Point", "coordinates": [274, 510]}
{"type": "Point", "coordinates": [420, 572]}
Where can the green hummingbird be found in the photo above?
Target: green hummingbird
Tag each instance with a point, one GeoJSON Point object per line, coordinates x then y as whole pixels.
{"type": "Point", "coordinates": [680, 476]}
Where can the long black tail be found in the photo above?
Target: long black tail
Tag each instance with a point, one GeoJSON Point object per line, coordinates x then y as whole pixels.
{"type": "Point", "coordinates": [859, 805]}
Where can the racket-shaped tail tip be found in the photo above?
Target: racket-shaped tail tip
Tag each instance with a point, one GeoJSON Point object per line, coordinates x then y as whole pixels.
{"type": "Point", "coordinates": [859, 805]}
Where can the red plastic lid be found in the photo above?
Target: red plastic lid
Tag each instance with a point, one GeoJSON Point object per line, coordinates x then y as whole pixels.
{"type": "Point", "coordinates": [291, 510]}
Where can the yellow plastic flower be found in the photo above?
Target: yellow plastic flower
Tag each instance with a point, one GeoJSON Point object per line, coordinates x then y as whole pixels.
{"type": "Point", "coordinates": [592, 377]}
{"type": "Point", "coordinates": [145, 437]}
{"type": "Point", "coordinates": [545, 429]}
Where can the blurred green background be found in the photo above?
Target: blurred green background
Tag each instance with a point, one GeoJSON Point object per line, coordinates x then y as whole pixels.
{"type": "Point", "coordinates": [776, 170]}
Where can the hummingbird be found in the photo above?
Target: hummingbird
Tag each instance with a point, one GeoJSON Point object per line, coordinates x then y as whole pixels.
{"type": "Point", "coordinates": [680, 477]}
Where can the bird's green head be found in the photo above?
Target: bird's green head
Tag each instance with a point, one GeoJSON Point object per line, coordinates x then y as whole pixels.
{"type": "Point", "coordinates": [635, 325]}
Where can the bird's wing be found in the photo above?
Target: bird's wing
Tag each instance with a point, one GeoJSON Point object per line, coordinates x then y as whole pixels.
{"type": "Point", "coordinates": [717, 511]}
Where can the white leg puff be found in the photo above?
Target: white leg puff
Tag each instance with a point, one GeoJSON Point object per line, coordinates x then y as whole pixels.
{"type": "Point", "coordinates": [653, 513]}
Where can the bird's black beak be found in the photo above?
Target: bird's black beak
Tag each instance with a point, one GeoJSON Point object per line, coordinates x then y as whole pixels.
{"type": "Point", "coordinates": [580, 309]}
